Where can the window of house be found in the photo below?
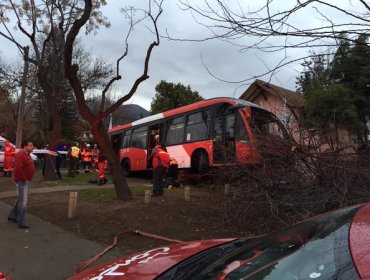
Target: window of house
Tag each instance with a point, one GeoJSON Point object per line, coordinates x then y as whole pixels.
{"type": "Point", "coordinates": [197, 126]}
{"type": "Point", "coordinates": [139, 138]}
{"type": "Point", "coordinates": [175, 132]}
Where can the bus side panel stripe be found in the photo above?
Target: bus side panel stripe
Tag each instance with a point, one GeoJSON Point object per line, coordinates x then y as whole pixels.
{"type": "Point", "coordinates": [148, 119]}
{"type": "Point", "coordinates": [180, 154]}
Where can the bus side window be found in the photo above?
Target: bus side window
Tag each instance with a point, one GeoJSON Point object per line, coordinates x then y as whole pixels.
{"type": "Point", "coordinates": [175, 131]}
{"type": "Point", "coordinates": [197, 126]}
{"type": "Point", "coordinates": [116, 142]}
{"type": "Point", "coordinates": [126, 139]}
{"type": "Point", "coordinates": [139, 138]}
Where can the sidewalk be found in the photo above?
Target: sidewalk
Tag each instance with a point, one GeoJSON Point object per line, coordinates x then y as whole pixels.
{"type": "Point", "coordinates": [45, 251]}
{"type": "Point", "coordinates": [39, 190]}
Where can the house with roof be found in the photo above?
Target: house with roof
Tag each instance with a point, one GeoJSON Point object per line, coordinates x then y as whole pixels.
{"type": "Point", "coordinates": [286, 104]}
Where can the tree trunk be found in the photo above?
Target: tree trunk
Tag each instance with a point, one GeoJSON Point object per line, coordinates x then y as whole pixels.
{"type": "Point", "coordinates": [120, 184]}
{"type": "Point", "coordinates": [55, 123]}
{"type": "Point", "coordinates": [19, 134]}
{"type": "Point", "coordinates": [55, 135]}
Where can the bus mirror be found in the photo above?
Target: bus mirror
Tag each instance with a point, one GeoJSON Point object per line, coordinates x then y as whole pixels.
{"type": "Point", "coordinates": [248, 113]}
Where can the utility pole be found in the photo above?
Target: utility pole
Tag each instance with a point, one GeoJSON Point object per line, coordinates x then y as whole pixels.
{"type": "Point", "coordinates": [22, 100]}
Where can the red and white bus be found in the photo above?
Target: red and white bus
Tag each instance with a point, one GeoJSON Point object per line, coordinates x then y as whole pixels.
{"type": "Point", "coordinates": [198, 136]}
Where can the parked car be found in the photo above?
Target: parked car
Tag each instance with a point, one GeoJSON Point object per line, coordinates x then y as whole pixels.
{"type": "Point", "coordinates": [334, 245]}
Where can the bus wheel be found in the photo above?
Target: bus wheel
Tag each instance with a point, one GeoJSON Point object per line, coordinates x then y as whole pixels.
{"type": "Point", "coordinates": [200, 162]}
{"type": "Point", "coordinates": [126, 167]}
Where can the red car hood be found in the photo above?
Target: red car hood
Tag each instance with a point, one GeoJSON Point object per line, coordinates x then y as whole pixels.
{"type": "Point", "coordinates": [147, 265]}
{"type": "Point", "coordinates": [359, 240]}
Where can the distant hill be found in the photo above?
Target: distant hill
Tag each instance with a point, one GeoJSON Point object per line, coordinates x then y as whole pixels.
{"type": "Point", "coordinates": [129, 113]}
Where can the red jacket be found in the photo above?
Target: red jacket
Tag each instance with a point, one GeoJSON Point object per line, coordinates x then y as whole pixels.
{"type": "Point", "coordinates": [24, 168]}
{"type": "Point", "coordinates": [9, 151]}
{"type": "Point", "coordinates": [160, 157]}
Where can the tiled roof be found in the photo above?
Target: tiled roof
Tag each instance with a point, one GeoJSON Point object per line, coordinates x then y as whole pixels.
{"type": "Point", "coordinates": [293, 98]}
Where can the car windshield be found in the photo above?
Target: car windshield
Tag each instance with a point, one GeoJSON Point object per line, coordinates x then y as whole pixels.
{"type": "Point", "coordinates": [314, 249]}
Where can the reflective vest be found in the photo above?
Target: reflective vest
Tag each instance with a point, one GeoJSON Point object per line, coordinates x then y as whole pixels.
{"type": "Point", "coordinates": [86, 155]}
{"type": "Point", "coordinates": [95, 154]}
{"type": "Point", "coordinates": [75, 152]}
{"type": "Point", "coordinates": [161, 158]}
{"type": "Point", "coordinates": [9, 151]}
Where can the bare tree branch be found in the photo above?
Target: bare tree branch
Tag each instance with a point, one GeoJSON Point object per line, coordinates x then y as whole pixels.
{"type": "Point", "coordinates": [144, 75]}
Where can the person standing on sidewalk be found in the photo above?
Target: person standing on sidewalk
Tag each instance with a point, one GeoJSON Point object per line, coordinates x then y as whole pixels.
{"type": "Point", "coordinates": [24, 169]}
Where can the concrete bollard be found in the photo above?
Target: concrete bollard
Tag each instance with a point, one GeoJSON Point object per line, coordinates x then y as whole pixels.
{"type": "Point", "coordinates": [147, 196]}
{"type": "Point", "coordinates": [227, 189]}
{"type": "Point", "coordinates": [72, 209]}
{"type": "Point", "coordinates": [187, 193]}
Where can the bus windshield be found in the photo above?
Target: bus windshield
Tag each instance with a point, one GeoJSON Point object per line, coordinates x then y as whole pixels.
{"type": "Point", "coordinates": [264, 124]}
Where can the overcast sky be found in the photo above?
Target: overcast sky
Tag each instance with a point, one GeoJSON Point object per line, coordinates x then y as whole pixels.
{"type": "Point", "coordinates": [179, 62]}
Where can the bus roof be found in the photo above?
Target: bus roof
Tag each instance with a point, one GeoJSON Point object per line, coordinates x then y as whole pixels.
{"type": "Point", "coordinates": [184, 109]}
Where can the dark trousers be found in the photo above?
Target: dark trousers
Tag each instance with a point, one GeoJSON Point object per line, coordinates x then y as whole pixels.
{"type": "Point", "coordinates": [173, 175]}
{"type": "Point", "coordinates": [73, 162]}
{"type": "Point", "coordinates": [58, 162]}
{"type": "Point", "coordinates": [158, 176]}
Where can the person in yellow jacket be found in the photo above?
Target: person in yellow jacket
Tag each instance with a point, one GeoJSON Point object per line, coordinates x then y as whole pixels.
{"type": "Point", "coordinates": [74, 155]}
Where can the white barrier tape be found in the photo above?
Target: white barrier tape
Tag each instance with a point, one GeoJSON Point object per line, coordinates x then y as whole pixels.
{"type": "Point", "coordinates": [43, 151]}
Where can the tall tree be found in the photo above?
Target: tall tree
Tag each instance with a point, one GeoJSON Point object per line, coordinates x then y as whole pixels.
{"type": "Point", "coordinates": [351, 68]}
{"type": "Point", "coordinates": [71, 71]}
{"type": "Point", "coordinates": [329, 110]}
{"type": "Point", "coordinates": [336, 91]}
{"type": "Point", "coordinates": [315, 74]}
{"type": "Point", "coordinates": [45, 25]}
{"type": "Point", "coordinates": [61, 23]}
{"type": "Point", "coordinates": [10, 88]}
{"type": "Point", "coordinates": [169, 96]}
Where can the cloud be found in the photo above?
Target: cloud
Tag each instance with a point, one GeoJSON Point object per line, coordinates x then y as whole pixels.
{"type": "Point", "coordinates": [174, 61]}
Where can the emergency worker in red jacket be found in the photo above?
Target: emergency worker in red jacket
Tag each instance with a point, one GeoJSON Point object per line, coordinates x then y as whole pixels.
{"type": "Point", "coordinates": [9, 153]}
{"type": "Point", "coordinates": [161, 162]}
{"type": "Point", "coordinates": [102, 163]}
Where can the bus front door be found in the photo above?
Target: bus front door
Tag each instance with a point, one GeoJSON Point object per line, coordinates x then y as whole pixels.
{"type": "Point", "coordinates": [224, 139]}
{"type": "Point", "coordinates": [152, 131]}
